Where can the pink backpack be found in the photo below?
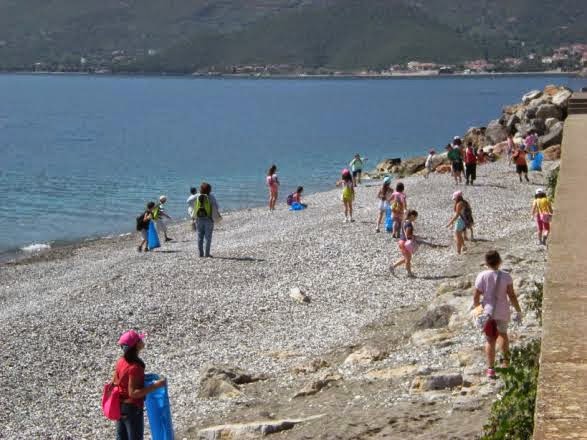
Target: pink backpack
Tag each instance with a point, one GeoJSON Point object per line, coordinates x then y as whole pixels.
{"type": "Point", "coordinates": [111, 401]}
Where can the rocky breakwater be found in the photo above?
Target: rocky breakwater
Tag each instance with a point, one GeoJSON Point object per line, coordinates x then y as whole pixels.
{"type": "Point", "coordinates": [540, 111]}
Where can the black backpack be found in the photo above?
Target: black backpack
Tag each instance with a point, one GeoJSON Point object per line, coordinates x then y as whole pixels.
{"type": "Point", "coordinates": [140, 222]}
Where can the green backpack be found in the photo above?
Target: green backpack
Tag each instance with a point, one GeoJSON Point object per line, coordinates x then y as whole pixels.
{"type": "Point", "coordinates": [202, 208]}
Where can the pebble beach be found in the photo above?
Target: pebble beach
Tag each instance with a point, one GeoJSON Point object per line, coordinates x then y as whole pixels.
{"type": "Point", "coordinates": [61, 315]}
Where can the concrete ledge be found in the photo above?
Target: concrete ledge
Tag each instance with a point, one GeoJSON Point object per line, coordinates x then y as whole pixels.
{"type": "Point", "coordinates": [561, 404]}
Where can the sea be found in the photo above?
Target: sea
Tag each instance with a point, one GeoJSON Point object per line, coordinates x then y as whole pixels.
{"type": "Point", "coordinates": [81, 155]}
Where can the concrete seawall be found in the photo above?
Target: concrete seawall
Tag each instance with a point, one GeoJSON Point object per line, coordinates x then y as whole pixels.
{"type": "Point", "coordinates": [561, 406]}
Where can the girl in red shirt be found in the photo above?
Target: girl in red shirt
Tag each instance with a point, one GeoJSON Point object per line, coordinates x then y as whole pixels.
{"type": "Point", "coordinates": [129, 375]}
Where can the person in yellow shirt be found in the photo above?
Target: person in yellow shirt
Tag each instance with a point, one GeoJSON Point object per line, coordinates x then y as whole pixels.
{"type": "Point", "coordinates": [542, 213]}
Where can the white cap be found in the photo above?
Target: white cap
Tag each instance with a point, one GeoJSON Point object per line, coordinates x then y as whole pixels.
{"type": "Point", "coordinates": [455, 138]}
{"type": "Point", "coordinates": [540, 191]}
{"type": "Point", "coordinates": [163, 199]}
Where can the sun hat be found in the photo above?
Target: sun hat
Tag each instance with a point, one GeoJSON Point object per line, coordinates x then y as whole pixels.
{"type": "Point", "coordinates": [540, 191]}
{"type": "Point", "coordinates": [457, 194]}
{"type": "Point", "coordinates": [163, 199]}
{"type": "Point", "coordinates": [130, 338]}
{"type": "Point", "coordinates": [387, 179]}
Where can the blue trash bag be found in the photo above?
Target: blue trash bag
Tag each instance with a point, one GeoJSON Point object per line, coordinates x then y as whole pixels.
{"type": "Point", "coordinates": [158, 410]}
{"type": "Point", "coordinates": [296, 207]}
{"type": "Point", "coordinates": [388, 220]}
{"type": "Point", "coordinates": [536, 163]}
{"type": "Point", "coordinates": [152, 236]}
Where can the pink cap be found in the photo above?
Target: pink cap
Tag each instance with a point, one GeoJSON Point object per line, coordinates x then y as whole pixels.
{"type": "Point", "coordinates": [457, 194]}
{"type": "Point", "coordinates": [345, 172]}
{"type": "Point", "coordinates": [131, 338]}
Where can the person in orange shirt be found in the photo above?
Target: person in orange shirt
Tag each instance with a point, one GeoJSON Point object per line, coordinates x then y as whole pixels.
{"type": "Point", "coordinates": [519, 158]}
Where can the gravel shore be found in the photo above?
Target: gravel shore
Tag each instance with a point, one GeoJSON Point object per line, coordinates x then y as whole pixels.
{"type": "Point", "coordinates": [62, 315]}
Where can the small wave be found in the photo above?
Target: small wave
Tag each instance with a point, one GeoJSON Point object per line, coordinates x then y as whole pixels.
{"type": "Point", "coordinates": [35, 247]}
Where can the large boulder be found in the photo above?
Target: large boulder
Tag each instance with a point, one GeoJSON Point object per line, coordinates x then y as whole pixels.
{"type": "Point", "coordinates": [538, 126]}
{"type": "Point", "coordinates": [476, 135]}
{"type": "Point", "coordinates": [412, 166]}
{"type": "Point", "coordinates": [550, 122]}
{"type": "Point", "coordinates": [562, 98]}
{"type": "Point", "coordinates": [495, 132]}
{"type": "Point", "coordinates": [533, 94]}
{"type": "Point", "coordinates": [553, 137]}
{"type": "Point", "coordinates": [552, 153]}
{"type": "Point", "coordinates": [435, 318]}
{"type": "Point", "coordinates": [511, 122]}
{"type": "Point", "coordinates": [546, 111]}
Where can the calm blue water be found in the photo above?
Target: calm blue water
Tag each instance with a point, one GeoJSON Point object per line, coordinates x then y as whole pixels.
{"type": "Point", "coordinates": [81, 155]}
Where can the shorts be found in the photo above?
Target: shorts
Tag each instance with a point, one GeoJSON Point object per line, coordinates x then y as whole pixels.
{"type": "Point", "coordinates": [541, 224]}
{"type": "Point", "coordinates": [457, 166]}
{"type": "Point", "coordinates": [502, 327]}
{"type": "Point", "coordinates": [460, 225]}
{"type": "Point", "coordinates": [383, 205]}
{"type": "Point", "coordinates": [406, 248]}
{"type": "Point", "coordinates": [357, 172]}
{"type": "Point", "coordinates": [522, 169]}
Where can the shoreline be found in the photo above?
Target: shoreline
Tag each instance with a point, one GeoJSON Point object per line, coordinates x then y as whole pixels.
{"type": "Point", "coordinates": [235, 309]}
{"type": "Point", "coordinates": [403, 75]}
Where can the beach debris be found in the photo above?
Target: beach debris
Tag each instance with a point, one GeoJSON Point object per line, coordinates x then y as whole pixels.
{"type": "Point", "coordinates": [299, 296]}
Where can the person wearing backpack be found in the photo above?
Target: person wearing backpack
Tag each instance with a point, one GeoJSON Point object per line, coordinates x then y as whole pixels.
{"type": "Point", "coordinates": [129, 376]}
{"type": "Point", "coordinates": [143, 225]}
{"type": "Point", "coordinates": [493, 313]}
{"type": "Point", "coordinates": [399, 205]}
{"type": "Point", "coordinates": [205, 213]}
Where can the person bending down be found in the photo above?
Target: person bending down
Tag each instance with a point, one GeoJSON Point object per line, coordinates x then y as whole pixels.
{"type": "Point", "coordinates": [407, 243]}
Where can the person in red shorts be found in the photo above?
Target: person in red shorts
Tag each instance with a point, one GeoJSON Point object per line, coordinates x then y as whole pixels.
{"type": "Point", "coordinates": [129, 375]}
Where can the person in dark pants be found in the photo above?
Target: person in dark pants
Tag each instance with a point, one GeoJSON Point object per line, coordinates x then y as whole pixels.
{"type": "Point", "coordinates": [205, 213]}
{"type": "Point", "coordinates": [129, 375]}
{"type": "Point", "coordinates": [470, 164]}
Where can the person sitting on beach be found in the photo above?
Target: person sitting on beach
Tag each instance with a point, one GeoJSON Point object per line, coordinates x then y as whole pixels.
{"type": "Point", "coordinates": [206, 212]}
{"type": "Point", "coordinates": [481, 156]}
{"type": "Point", "coordinates": [129, 375]}
{"type": "Point", "coordinates": [493, 312]}
{"type": "Point", "coordinates": [143, 225]}
{"type": "Point", "coordinates": [356, 166]}
{"type": "Point", "coordinates": [348, 194]}
{"type": "Point", "coordinates": [190, 202]}
{"type": "Point", "coordinates": [407, 243]}
{"type": "Point", "coordinates": [459, 221]}
{"type": "Point", "coordinates": [429, 163]}
{"type": "Point", "coordinates": [273, 185]}
{"type": "Point", "coordinates": [399, 205]}
{"type": "Point", "coordinates": [296, 196]}
{"type": "Point", "coordinates": [456, 160]}
{"type": "Point", "coordinates": [542, 213]}
{"type": "Point", "coordinates": [519, 158]}
{"type": "Point", "coordinates": [470, 164]}
{"type": "Point", "coordinates": [383, 197]}
{"type": "Point", "coordinates": [158, 214]}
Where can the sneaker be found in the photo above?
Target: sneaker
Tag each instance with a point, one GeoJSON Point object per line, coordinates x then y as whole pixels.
{"type": "Point", "coordinates": [168, 239]}
{"type": "Point", "coordinates": [491, 373]}
{"type": "Point", "coordinates": [140, 249]}
{"type": "Point", "coordinates": [352, 220]}
{"type": "Point", "coordinates": [377, 230]}
{"type": "Point", "coordinates": [345, 220]}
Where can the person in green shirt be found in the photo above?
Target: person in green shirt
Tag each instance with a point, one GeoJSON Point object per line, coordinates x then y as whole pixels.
{"type": "Point", "coordinates": [456, 159]}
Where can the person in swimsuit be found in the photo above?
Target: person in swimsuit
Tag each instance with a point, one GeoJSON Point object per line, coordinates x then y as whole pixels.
{"type": "Point", "coordinates": [407, 243]}
{"type": "Point", "coordinates": [383, 197]}
{"type": "Point", "coordinates": [348, 194]}
{"type": "Point", "coordinates": [458, 220]}
{"type": "Point", "coordinates": [273, 185]}
{"type": "Point", "coordinates": [399, 205]}
{"type": "Point", "coordinates": [542, 213]}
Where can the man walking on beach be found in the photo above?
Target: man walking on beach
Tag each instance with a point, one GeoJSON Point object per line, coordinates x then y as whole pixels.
{"type": "Point", "coordinates": [470, 164]}
{"type": "Point", "coordinates": [158, 214]}
{"type": "Point", "coordinates": [191, 201]}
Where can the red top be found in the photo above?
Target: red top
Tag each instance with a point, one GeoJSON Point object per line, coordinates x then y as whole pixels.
{"type": "Point", "coordinates": [520, 158]}
{"type": "Point", "coordinates": [470, 156]}
{"type": "Point", "coordinates": [124, 371]}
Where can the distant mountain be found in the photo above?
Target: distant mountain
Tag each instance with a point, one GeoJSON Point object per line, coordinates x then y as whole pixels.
{"type": "Point", "coordinates": [185, 35]}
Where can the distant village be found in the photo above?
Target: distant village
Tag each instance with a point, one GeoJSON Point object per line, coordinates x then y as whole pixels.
{"type": "Point", "coordinates": [570, 58]}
